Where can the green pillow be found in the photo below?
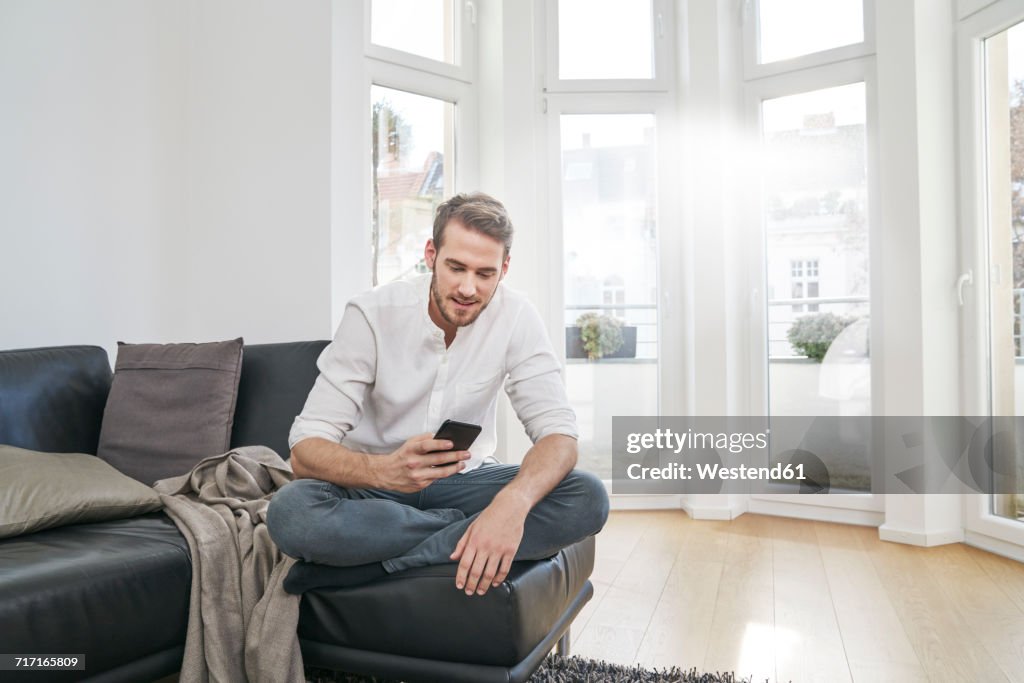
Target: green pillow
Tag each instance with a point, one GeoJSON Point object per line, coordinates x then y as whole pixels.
{"type": "Point", "coordinates": [45, 490]}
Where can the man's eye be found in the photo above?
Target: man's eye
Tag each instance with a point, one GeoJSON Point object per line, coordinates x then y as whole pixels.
{"type": "Point", "coordinates": [486, 276]}
{"type": "Point", "coordinates": [456, 270]}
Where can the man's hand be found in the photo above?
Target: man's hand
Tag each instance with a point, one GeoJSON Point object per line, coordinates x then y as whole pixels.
{"type": "Point", "coordinates": [485, 552]}
{"type": "Point", "coordinates": [414, 466]}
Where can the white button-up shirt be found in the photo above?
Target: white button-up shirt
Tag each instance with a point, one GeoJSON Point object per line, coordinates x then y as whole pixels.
{"type": "Point", "coordinates": [387, 375]}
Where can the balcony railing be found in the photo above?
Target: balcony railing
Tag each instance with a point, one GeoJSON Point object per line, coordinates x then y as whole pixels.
{"type": "Point", "coordinates": [782, 314]}
{"type": "Point", "coordinates": [1018, 319]}
{"type": "Point", "coordinates": [781, 317]}
{"type": "Point", "coordinates": [644, 317]}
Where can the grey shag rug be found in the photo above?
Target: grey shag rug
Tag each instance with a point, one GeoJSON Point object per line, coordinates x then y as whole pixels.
{"type": "Point", "coordinates": [557, 669]}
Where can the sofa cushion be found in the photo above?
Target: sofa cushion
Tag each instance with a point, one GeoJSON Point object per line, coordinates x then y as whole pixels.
{"type": "Point", "coordinates": [114, 591]}
{"type": "Point", "coordinates": [170, 406]}
{"type": "Point", "coordinates": [420, 613]}
{"type": "Point", "coordinates": [45, 490]}
{"type": "Point", "coordinates": [276, 379]}
{"type": "Point", "coordinates": [51, 399]}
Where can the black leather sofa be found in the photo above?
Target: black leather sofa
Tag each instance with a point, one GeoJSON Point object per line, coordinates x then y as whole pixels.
{"type": "Point", "coordinates": [118, 591]}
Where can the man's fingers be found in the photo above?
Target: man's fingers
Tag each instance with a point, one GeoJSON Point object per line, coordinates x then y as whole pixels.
{"type": "Point", "coordinates": [435, 459]}
{"type": "Point", "coordinates": [475, 573]}
{"type": "Point", "coordinates": [493, 563]}
{"type": "Point", "coordinates": [432, 445]}
{"type": "Point", "coordinates": [465, 564]}
{"type": "Point", "coordinates": [503, 569]}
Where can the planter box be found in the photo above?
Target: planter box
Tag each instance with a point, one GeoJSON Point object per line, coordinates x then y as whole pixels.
{"type": "Point", "coordinates": [574, 345]}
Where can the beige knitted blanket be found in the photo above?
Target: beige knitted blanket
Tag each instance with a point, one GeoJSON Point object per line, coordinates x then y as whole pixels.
{"type": "Point", "coordinates": [241, 623]}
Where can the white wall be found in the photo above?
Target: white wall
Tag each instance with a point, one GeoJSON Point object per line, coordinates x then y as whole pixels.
{"type": "Point", "coordinates": [253, 255]}
{"type": "Point", "coordinates": [164, 171]}
{"type": "Point", "coordinates": [90, 168]}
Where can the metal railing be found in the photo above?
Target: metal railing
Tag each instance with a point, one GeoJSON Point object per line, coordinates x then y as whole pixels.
{"type": "Point", "coordinates": [642, 316]}
{"type": "Point", "coordinates": [1018, 321]}
{"type": "Point", "coordinates": [779, 323]}
{"type": "Point", "coordinates": [645, 318]}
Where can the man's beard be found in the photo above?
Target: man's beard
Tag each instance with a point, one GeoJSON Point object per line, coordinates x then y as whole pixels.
{"type": "Point", "coordinates": [440, 301]}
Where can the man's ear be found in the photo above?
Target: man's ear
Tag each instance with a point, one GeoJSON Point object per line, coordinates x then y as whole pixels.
{"type": "Point", "coordinates": [504, 266]}
{"type": "Point", "coordinates": [430, 253]}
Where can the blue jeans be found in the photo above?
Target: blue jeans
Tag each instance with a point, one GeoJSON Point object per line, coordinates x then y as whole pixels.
{"type": "Point", "coordinates": [320, 522]}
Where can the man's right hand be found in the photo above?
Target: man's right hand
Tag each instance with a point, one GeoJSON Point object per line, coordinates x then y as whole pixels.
{"type": "Point", "coordinates": [416, 464]}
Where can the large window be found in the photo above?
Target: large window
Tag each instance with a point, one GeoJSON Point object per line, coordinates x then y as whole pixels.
{"type": "Point", "coordinates": [786, 36]}
{"type": "Point", "coordinates": [420, 27]}
{"type": "Point", "coordinates": [601, 46]}
{"type": "Point", "coordinates": [990, 54]}
{"type": "Point", "coordinates": [605, 39]}
{"type": "Point", "coordinates": [605, 202]}
{"type": "Point", "coordinates": [1004, 126]}
{"type": "Point", "coordinates": [793, 28]}
{"type": "Point", "coordinates": [811, 83]}
{"type": "Point", "coordinates": [413, 139]}
{"type": "Point", "coordinates": [421, 70]}
{"type": "Point", "coordinates": [610, 243]}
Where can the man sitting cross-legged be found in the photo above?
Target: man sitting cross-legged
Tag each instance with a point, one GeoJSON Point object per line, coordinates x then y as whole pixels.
{"type": "Point", "coordinates": [375, 492]}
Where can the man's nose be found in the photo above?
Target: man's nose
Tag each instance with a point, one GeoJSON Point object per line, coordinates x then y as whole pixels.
{"type": "Point", "coordinates": [467, 286]}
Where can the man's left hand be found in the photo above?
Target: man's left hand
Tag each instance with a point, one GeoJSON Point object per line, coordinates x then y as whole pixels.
{"type": "Point", "coordinates": [485, 552]}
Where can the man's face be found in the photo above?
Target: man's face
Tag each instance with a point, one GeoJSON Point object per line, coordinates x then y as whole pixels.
{"type": "Point", "coordinates": [467, 270]}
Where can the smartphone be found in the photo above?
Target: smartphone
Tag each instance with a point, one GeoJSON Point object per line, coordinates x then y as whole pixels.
{"type": "Point", "coordinates": [461, 434]}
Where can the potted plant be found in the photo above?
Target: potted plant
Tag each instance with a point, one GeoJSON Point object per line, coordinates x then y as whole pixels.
{"type": "Point", "coordinates": [598, 335]}
{"type": "Point", "coordinates": [812, 334]}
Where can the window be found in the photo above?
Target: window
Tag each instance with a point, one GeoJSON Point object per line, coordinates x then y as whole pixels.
{"type": "Point", "coordinates": [793, 28]}
{"type": "Point", "coordinates": [809, 72]}
{"type": "Point", "coordinates": [605, 39]}
{"type": "Point", "coordinates": [420, 27]}
{"type": "Point", "coordinates": [610, 267]}
{"type": "Point", "coordinates": [607, 98]}
{"type": "Point", "coordinates": [602, 45]}
{"type": "Point", "coordinates": [1004, 106]}
{"type": "Point", "coordinates": [815, 184]}
{"type": "Point", "coordinates": [413, 138]}
{"type": "Point", "coordinates": [804, 283]}
{"type": "Point", "coordinates": [784, 36]}
{"type": "Point", "coordinates": [421, 102]}
{"type": "Point", "coordinates": [614, 292]}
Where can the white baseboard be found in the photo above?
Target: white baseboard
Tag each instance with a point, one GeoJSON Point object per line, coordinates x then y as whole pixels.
{"type": "Point", "coordinates": [994, 545]}
{"type": "Point", "coordinates": [719, 513]}
{"type": "Point", "coordinates": [644, 502]}
{"type": "Point", "coordinates": [925, 539]}
{"type": "Point", "coordinates": [820, 513]}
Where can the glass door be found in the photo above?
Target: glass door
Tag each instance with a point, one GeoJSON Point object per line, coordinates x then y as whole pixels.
{"type": "Point", "coordinates": [608, 186]}
{"type": "Point", "coordinates": [817, 266]}
{"type": "Point", "coordinates": [1004, 204]}
{"type": "Point", "coordinates": [991, 113]}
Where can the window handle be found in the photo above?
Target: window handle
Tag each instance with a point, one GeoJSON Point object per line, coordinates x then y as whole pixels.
{"type": "Point", "coordinates": [964, 279]}
{"type": "Point", "coordinates": [471, 10]}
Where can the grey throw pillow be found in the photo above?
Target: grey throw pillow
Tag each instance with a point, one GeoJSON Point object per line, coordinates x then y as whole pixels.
{"type": "Point", "coordinates": [170, 406]}
{"type": "Point", "coordinates": [45, 490]}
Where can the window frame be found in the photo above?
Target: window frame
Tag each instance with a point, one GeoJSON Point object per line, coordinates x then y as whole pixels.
{"type": "Point", "coordinates": [753, 68]}
{"type": "Point", "coordinates": [663, 21]}
{"type": "Point", "coordinates": [800, 77]}
{"type": "Point", "coordinates": [662, 107]}
{"type": "Point", "coordinates": [464, 34]}
{"type": "Point", "coordinates": [417, 75]}
{"type": "Point", "coordinates": [982, 527]}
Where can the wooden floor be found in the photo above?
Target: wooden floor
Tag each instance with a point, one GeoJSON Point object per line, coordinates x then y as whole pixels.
{"type": "Point", "coordinates": [791, 600]}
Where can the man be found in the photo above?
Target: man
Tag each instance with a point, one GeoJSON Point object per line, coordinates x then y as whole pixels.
{"type": "Point", "coordinates": [375, 492]}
